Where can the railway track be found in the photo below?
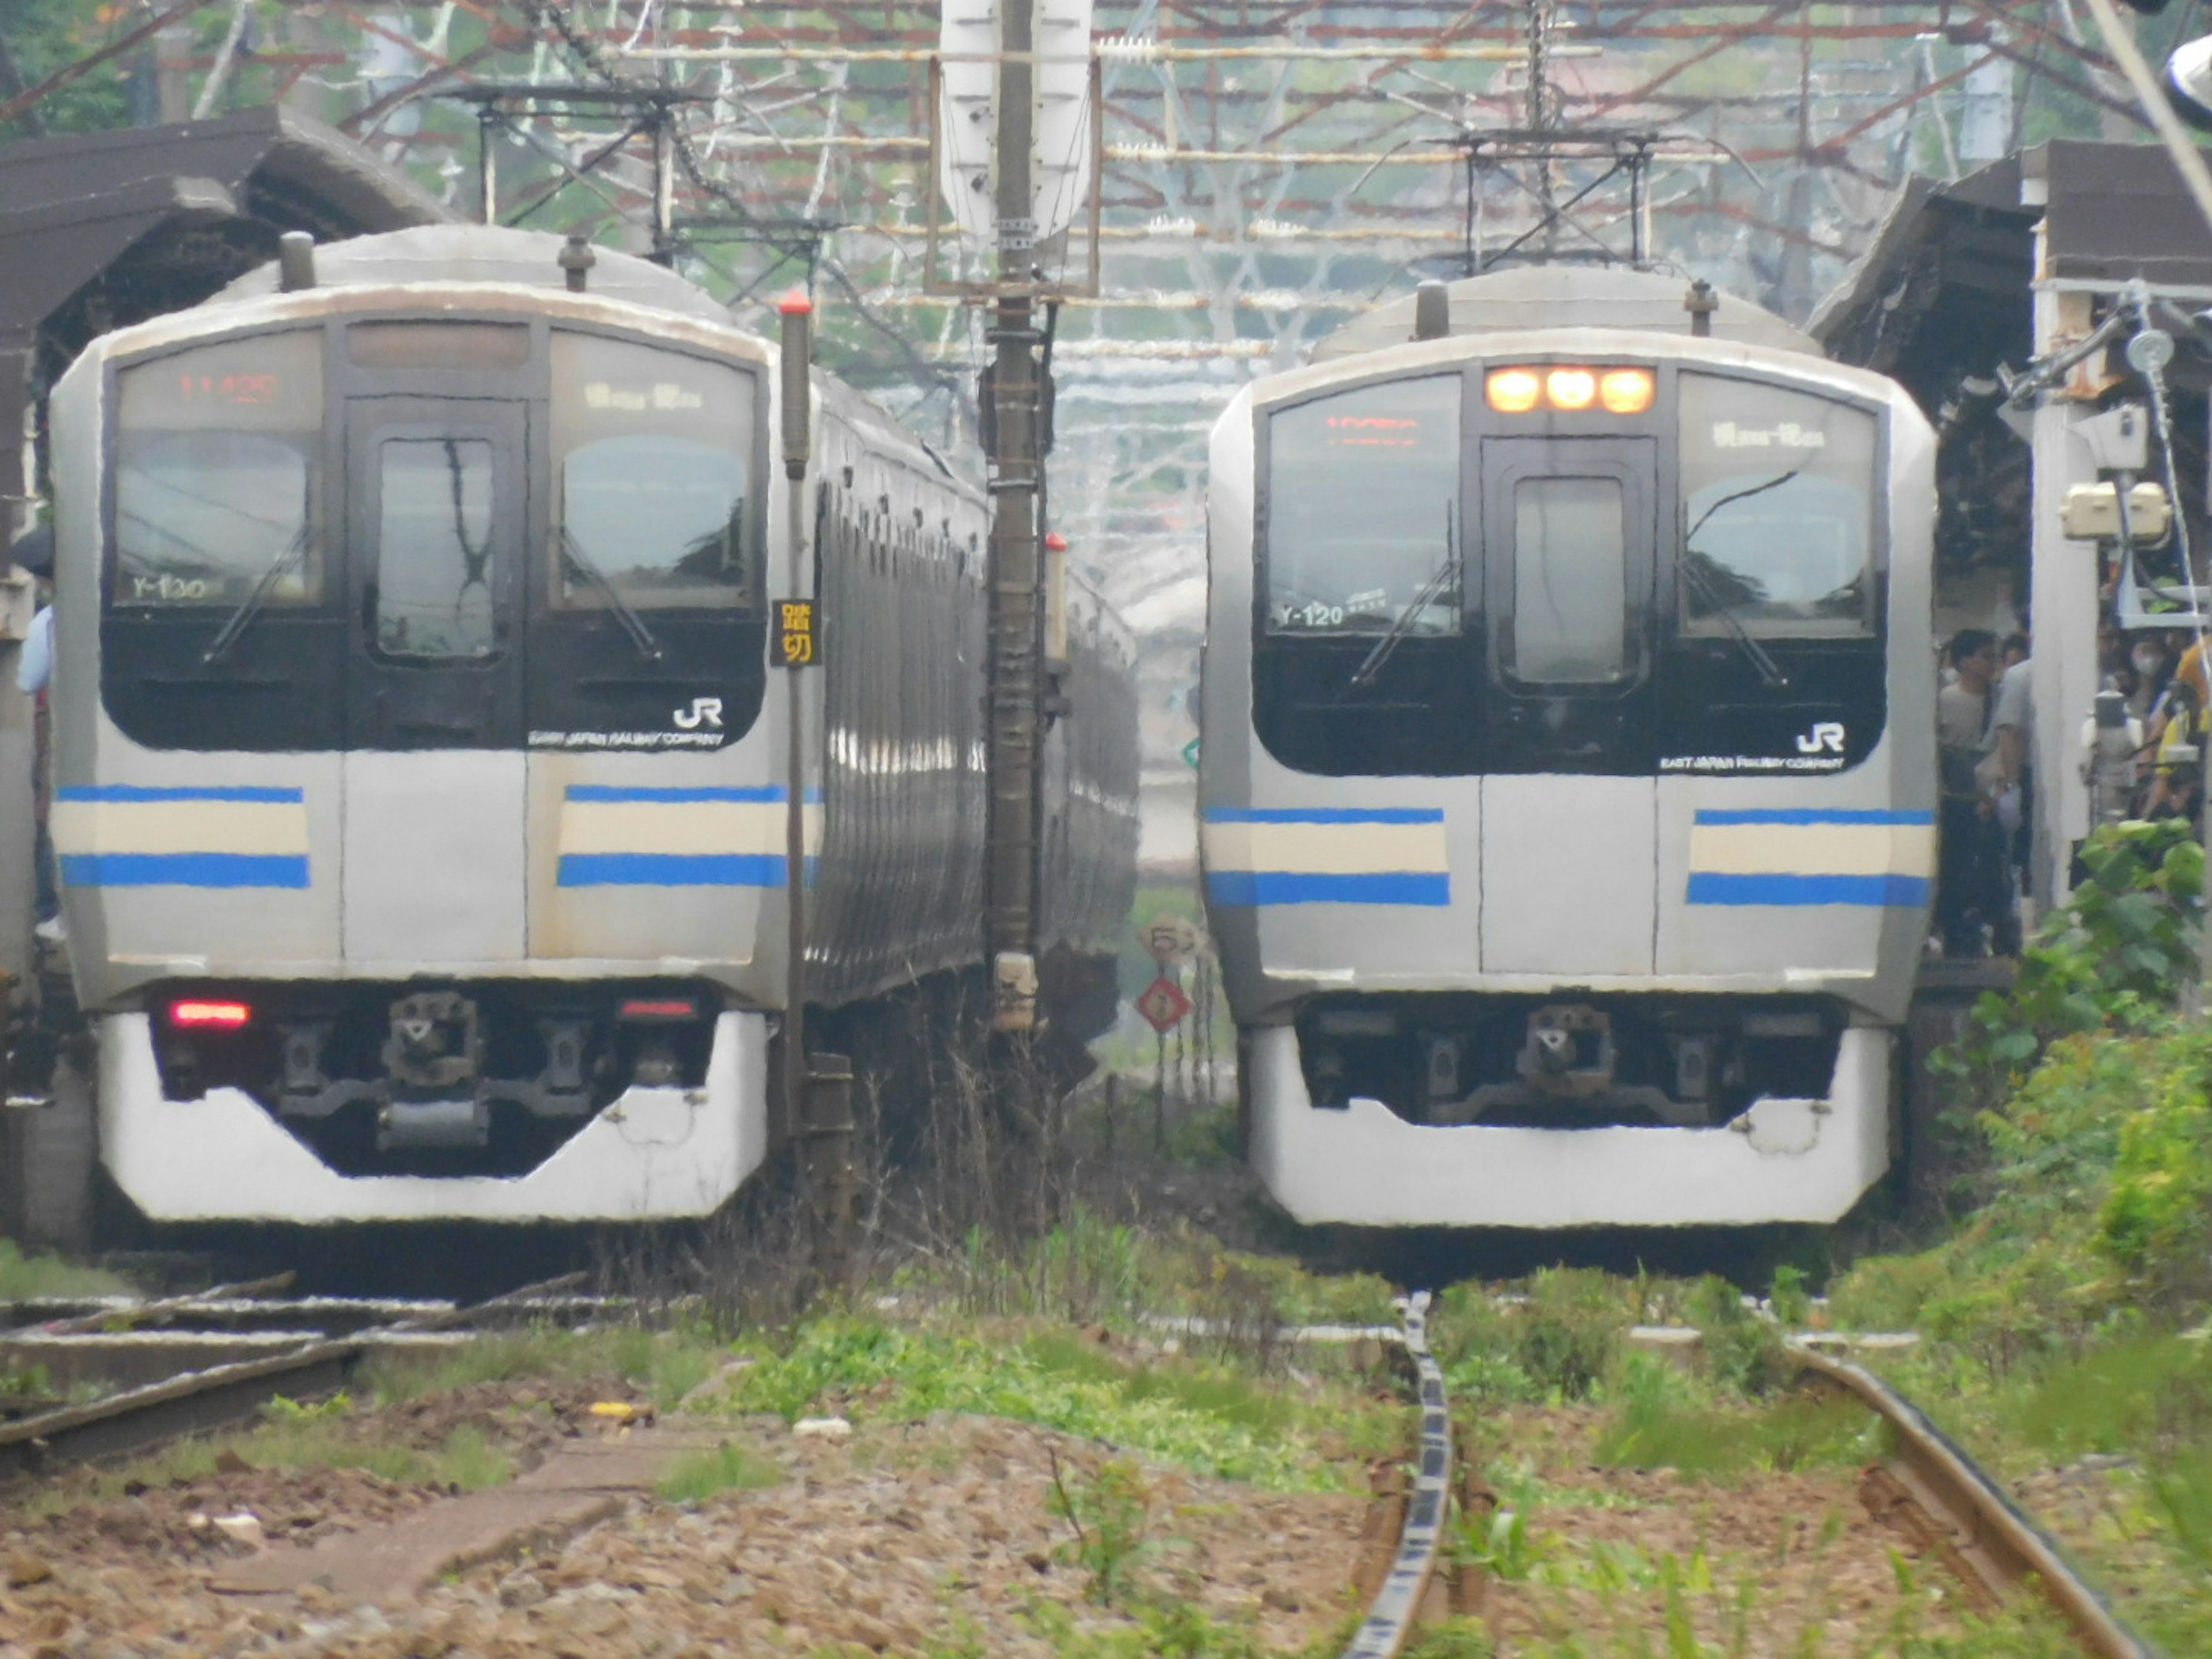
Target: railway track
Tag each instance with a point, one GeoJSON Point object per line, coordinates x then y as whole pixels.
{"type": "Point", "coordinates": [1933, 1490]}
{"type": "Point", "coordinates": [1927, 1488]}
{"type": "Point", "coordinates": [185, 1364]}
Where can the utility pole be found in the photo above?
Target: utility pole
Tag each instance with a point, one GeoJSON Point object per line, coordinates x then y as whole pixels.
{"type": "Point", "coordinates": [1015, 565]}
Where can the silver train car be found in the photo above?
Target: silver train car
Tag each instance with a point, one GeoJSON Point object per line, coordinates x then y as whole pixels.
{"type": "Point", "coordinates": [1568, 787]}
{"type": "Point", "coordinates": [420, 782]}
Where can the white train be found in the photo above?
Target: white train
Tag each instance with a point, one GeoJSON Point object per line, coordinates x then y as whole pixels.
{"type": "Point", "coordinates": [1568, 786]}
{"type": "Point", "coordinates": [421, 791]}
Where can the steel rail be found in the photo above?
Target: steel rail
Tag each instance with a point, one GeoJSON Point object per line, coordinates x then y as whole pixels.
{"type": "Point", "coordinates": [142, 1418]}
{"type": "Point", "coordinates": [1968, 1517]}
{"type": "Point", "coordinates": [132, 1315]}
{"type": "Point", "coordinates": [1390, 1615]}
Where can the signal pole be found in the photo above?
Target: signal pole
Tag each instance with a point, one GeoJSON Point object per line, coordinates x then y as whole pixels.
{"type": "Point", "coordinates": [1015, 565]}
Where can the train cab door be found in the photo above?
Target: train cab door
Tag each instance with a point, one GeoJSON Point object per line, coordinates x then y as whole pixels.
{"type": "Point", "coordinates": [436, 504]}
{"type": "Point", "coordinates": [1569, 533]}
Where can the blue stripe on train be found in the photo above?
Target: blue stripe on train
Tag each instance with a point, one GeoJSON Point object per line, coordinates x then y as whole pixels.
{"type": "Point", "coordinates": [142, 791]}
{"type": "Point", "coordinates": [184, 869]}
{"type": "Point", "coordinates": [1291, 887]}
{"type": "Point", "coordinates": [671, 869]}
{"type": "Point", "coordinates": [1814, 815]}
{"type": "Point", "coordinates": [1324, 815]}
{"type": "Point", "coordinates": [618, 792]}
{"type": "Point", "coordinates": [1708, 888]}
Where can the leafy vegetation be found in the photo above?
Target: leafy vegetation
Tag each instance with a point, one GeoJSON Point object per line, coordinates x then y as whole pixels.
{"type": "Point", "coordinates": [2062, 1319]}
{"type": "Point", "coordinates": [1214, 1417]}
{"type": "Point", "coordinates": [23, 1276]}
{"type": "Point", "coordinates": [726, 1468]}
{"type": "Point", "coordinates": [2114, 956]}
{"type": "Point", "coordinates": [1667, 1419]}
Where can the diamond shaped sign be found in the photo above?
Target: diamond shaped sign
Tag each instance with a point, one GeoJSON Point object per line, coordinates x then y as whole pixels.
{"type": "Point", "coordinates": [1163, 1004]}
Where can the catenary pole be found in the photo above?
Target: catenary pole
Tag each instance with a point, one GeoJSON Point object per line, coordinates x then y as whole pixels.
{"type": "Point", "coordinates": [1015, 563]}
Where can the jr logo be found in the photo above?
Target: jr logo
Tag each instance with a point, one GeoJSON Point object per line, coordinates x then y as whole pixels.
{"type": "Point", "coordinates": [1826, 738]}
{"type": "Point", "coordinates": [708, 711]}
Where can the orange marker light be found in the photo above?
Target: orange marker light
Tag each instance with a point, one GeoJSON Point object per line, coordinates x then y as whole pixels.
{"type": "Point", "coordinates": [1513, 390]}
{"type": "Point", "coordinates": [1625, 391]}
{"type": "Point", "coordinates": [1570, 388]}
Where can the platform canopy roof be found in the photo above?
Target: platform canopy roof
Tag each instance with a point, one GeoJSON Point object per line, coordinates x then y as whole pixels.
{"type": "Point", "coordinates": [102, 229]}
{"type": "Point", "coordinates": [1944, 289]}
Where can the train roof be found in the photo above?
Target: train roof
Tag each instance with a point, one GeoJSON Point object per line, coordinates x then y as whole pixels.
{"type": "Point", "coordinates": [1523, 297]}
{"type": "Point", "coordinates": [486, 253]}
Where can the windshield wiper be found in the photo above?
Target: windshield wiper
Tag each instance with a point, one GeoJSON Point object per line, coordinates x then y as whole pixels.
{"type": "Point", "coordinates": [1709, 590]}
{"type": "Point", "coordinates": [1372, 664]}
{"type": "Point", "coordinates": [1770, 676]}
{"type": "Point", "coordinates": [642, 637]}
{"type": "Point", "coordinates": [249, 606]}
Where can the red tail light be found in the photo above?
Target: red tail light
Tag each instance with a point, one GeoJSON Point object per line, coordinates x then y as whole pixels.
{"type": "Point", "coordinates": [222, 1016]}
{"type": "Point", "coordinates": [659, 1008]}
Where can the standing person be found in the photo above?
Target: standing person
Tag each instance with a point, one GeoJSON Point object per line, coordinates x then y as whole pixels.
{"type": "Point", "coordinates": [1964, 893]}
{"type": "Point", "coordinates": [34, 551]}
{"type": "Point", "coordinates": [2012, 766]}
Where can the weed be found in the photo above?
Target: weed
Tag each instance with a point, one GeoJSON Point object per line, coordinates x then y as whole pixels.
{"type": "Point", "coordinates": [1160, 1628]}
{"type": "Point", "coordinates": [1790, 1298]}
{"type": "Point", "coordinates": [23, 1276]}
{"type": "Point", "coordinates": [1455, 1638]}
{"type": "Point", "coordinates": [1213, 1417]}
{"type": "Point", "coordinates": [1571, 1329]}
{"type": "Point", "coordinates": [2115, 955]}
{"type": "Point", "coordinates": [728, 1467]}
{"type": "Point", "coordinates": [468, 1462]}
{"type": "Point", "coordinates": [2139, 1393]}
{"type": "Point", "coordinates": [281, 1410]}
{"type": "Point", "coordinates": [1501, 1542]}
{"type": "Point", "coordinates": [1742, 1352]}
{"type": "Point", "coordinates": [1664, 1423]}
{"type": "Point", "coordinates": [1110, 1510]}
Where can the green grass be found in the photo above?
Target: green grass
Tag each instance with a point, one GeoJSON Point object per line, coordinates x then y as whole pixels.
{"type": "Point", "coordinates": [1662, 1423]}
{"type": "Point", "coordinates": [24, 1276]}
{"type": "Point", "coordinates": [728, 1467]}
{"type": "Point", "coordinates": [1210, 1415]}
{"type": "Point", "coordinates": [664, 1365]}
{"type": "Point", "coordinates": [313, 1437]}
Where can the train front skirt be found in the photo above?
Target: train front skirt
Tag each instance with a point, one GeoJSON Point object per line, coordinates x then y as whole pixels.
{"type": "Point", "coordinates": [1781, 1160]}
{"type": "Point", "coordinates": [652, 1153]}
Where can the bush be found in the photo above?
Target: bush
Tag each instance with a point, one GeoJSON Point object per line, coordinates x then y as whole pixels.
{"type": "Point", "coordinates": [2116, 955]}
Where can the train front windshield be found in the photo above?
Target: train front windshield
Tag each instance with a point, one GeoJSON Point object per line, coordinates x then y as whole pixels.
{"type": "Point", "coordinates": [395, 534]}
{"type": "Point", "coordinates": [1615, 568]}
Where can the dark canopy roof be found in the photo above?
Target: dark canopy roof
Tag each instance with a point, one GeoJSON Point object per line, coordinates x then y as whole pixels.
{"type": "Point", "coordinates": [100, 229]}
{"type": "Point", "coordinates": [1944, 289]}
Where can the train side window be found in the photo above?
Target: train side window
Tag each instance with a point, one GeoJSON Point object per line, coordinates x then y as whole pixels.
{"type": "Point", "coordinates": [1570, 581]}
{"type": "Point", "coordinates": [433, 548]}
{"type": "Point", "coordinates": [653, 456]}
{"type": "Point", "coordinates": [1362, 507]}
{"type": "Point", "coordinates": [1777, 510]}
{"type": "Point", "coordinates": [216, 481]}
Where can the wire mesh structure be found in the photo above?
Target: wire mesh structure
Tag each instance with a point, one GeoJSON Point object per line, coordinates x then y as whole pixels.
{"type": "Point", "coordinates": [1269, 167]}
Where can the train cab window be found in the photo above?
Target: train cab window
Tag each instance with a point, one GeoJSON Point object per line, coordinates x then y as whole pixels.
{"type": "Point", "coordinates": [217, 454]}
{"type": "Point", "coordinates": [433, 576]}
{"type": "Point", "coordinates": [1570, 581]}
{"type": "Point", "coordinates": [653, 456]}
{"type": "Point", "coordinates": [1778, 499]}
{"type": "Point", "coordinates": [1362, 507]}
{"type": "Point", "coordinates": [662, 520]}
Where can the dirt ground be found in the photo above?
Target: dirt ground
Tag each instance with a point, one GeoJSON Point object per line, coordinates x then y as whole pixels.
{"type": "Point", "coordinates": [937, 1534]}
{"type": "Point", "coordinates": [1620, 1560]}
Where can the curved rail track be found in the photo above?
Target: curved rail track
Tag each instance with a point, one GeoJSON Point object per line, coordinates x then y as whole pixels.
{"type": "Point", "coordinates": [303, 1364]}
{"type": "Point", "coordinates": [1929, 1487]}
{"type": "Point", "coordinates": [1936, 1491]}
{"type": "Point", "coordinates": [1397, 1603]}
